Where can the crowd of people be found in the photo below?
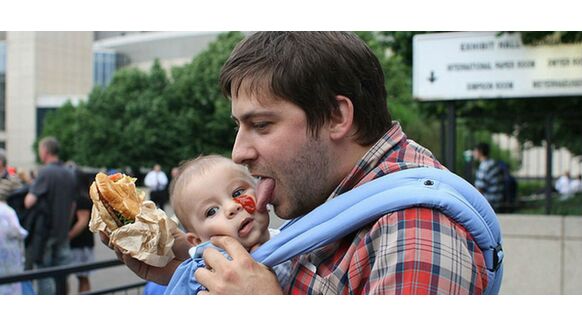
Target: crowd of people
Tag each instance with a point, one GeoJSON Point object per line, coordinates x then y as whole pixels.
{"type": "Point", "coordinates": [45, 205]}
{"type": "Point", "coordinates": [44, 219]}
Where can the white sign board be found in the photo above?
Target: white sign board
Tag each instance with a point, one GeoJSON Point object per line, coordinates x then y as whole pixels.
{"type": "Point", "coordinates": [474, 65]}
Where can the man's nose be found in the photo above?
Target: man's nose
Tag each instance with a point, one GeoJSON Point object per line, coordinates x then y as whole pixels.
{"type": "Point", "coordinates": [243, 151]}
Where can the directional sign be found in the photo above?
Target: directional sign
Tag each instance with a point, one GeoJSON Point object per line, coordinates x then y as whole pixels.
{"type": "Point", "coordinates": [477, 65]}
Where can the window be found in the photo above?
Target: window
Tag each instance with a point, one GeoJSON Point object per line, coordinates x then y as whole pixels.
{"type": "Point", "coordinates": [105, 63]}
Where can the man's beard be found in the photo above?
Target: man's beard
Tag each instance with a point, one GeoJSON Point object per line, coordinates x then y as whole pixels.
{"type": "Point", "coordinates": [305, 178]}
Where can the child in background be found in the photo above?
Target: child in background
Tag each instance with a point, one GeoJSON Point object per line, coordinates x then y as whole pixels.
{"type": "Point", "coordinates": [213, 196]}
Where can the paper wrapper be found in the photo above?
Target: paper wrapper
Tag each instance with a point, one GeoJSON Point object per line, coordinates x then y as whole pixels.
{"type": "Point", "coordinates": [148, 239]}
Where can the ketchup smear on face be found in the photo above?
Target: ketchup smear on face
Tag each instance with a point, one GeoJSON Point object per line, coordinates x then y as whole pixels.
{"type": "Point", "coordinates": [247, 202]}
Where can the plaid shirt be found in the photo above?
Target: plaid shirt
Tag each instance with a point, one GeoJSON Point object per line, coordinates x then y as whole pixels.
{"type": "Point", "coordinates": [412, 251]}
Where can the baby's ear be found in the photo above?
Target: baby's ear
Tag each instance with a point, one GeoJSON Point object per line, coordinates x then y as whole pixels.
{"type": "Point", "coordinates": [193, 239]}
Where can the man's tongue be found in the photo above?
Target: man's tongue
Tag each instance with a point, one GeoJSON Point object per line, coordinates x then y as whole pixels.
{"type": "Point", "coordinates": [265, 189]}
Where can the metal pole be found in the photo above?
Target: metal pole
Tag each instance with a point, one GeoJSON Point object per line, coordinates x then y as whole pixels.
{"type": "Point", "coordinates": [61, 285]}
{"type": "Point", "coordinates": [549, 132]}
{"type": "Point", "coordinates": [444, 139]}
{"type": "Point", "coordinates": [451, 137]}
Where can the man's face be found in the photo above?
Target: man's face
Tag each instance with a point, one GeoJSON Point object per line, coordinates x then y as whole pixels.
{"type": "Point", "coordinates": [274, 143]}
{"type": "Point", "coordinates": [41, 153]}
{"type": "Point", "coordinates": [477, 154]}
{"type": "Point", "coordinates": [213, 211]}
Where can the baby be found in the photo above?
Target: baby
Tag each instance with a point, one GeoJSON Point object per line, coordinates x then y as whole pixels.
{"type": "Point", "coordinates": [213, 196]}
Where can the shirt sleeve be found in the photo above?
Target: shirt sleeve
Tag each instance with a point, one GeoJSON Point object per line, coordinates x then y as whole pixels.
{"type": "Point", "coordinates": [40, 185]}
{"type": "Point", "coordinates": [480, 181]}
{"type": "Point", "coordinates": [149, 180]}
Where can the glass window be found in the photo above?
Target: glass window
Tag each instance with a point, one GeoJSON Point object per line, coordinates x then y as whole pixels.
{"type": "Point", "coordinates": [105, 63]}
{"type": "Point", "coordinates": [2, 57]}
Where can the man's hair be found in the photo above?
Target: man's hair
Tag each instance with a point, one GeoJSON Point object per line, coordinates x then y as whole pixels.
{"type": "Point", "coordinates": [309, 69]}
{"type": "Point", "coordinates": [186, 171]}
{"type": "Point", "coordinates": [51, 144]}
{"type": "Point", "coordinates": [483, 148]}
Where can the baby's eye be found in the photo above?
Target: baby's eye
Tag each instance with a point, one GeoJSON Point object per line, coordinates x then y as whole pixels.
{"type": "Point", "coordinates": [238, 192]}
{"type": "Point", "coordinates": [211, 211]}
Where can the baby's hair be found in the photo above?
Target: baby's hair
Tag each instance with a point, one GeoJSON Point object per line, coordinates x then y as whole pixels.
{"type": "Point", "coordinates": [186, 171]}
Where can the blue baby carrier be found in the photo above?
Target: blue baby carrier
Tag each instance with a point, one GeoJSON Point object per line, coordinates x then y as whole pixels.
{"type": "Point", "coordinates": [418, 187]}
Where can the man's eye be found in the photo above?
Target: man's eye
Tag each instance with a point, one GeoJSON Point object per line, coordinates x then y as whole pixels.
{"type": "Point", "coordinates": [261, 125]}
{"type": "Point", "coordinates": [237, 193]}
{"type": "Point", "coordinates": [211, 211]}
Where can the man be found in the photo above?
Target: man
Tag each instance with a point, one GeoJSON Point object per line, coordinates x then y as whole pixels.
{"type": "Point", "coordinates": [157, 181]}
{"type": "Point", "coordinates": [54, 191]}
{"type": "Point", "coordinates": [489, 177]}
{"type": "Point", "coordinates": [312, 124]}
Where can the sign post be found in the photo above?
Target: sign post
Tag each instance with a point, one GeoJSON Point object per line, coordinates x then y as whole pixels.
{"type": "Point", "coordinates": [491, 65]}
{"type": "Point", "coordinates": [549, 132]}
{"type": "Point", "coordinates": [451, 137]}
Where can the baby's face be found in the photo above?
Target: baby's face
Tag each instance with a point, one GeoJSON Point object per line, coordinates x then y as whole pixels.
{"type": "Point", "coordinates": [219, 202]}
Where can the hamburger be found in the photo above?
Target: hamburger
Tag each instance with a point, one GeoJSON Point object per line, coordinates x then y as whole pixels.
{"type": "Point", "coordinates": [116, 199]}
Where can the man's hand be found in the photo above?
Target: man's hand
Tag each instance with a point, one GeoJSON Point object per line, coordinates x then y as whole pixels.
{"type": "Point", "coordinates": [241, 275]}
{"type": "Point", "coordinates": [158, 275]}
{"type": "Point", "coordinates": [29, 200]}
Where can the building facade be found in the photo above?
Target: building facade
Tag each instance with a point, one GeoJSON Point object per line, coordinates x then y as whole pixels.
{"type": "Point", "coordinates": [40, 71]}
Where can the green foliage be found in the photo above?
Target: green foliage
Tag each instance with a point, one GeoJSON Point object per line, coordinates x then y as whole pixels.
{"type": "Point", "coordinates": [533, 38]}
{"type": "Point", "coordinates": [570, 206]}
{"type": "Point", "coordinates": [196, 90]}
{"type": "Point", "coordinates": [530, 187]}
{"type": "Point", "coordinates": [415, 119]}
{"type": "Point", "coordinates": [63, 123]}
{"type": "Point", "coordinates": [143, 118]}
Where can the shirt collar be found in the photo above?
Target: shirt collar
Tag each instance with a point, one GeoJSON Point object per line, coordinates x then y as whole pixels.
{"type": "Point", "coordinates": [371, 159]}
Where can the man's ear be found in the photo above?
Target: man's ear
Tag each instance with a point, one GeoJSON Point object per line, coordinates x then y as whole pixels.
{"type": "Point", "coordinates": [192, 239]}
{"type": "Point", "coordinates": [342, 118]}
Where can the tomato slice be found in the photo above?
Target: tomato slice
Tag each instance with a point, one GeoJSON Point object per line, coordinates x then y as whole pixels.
{"type": "Point", "coordinates": [247, 202]}
{"type": "Point", "coordinates": [116, 176]}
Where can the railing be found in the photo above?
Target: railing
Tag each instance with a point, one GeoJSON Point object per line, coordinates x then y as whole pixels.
{"type": "Point", "coordinates": [60, 273]}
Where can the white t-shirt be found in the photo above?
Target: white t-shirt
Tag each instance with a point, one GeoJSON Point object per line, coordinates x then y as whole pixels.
{"type": "Point", "coordinates": [156, 180]}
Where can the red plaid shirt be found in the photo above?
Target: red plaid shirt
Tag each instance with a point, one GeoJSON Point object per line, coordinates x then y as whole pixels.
{"type": "Point", "coordinates": [412, 251]}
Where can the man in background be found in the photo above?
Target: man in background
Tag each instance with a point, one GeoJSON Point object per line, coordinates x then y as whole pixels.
{"type": "Point", "coordinates": [156, 180]}
{"type": "Point", "coordinates": [489, 177]}
{"type": "Point", "coordinates": [54, 192]}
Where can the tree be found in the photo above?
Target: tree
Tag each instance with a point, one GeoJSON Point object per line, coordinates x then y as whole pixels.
{"type": "Point", "coordinates": [143, 118]}
{"type": "Point", "coordinates": [64, 124]}
{"type": "Point", "coordinates": [396, 64]}
{"type": "Point", "coordinates": [196, 93]}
